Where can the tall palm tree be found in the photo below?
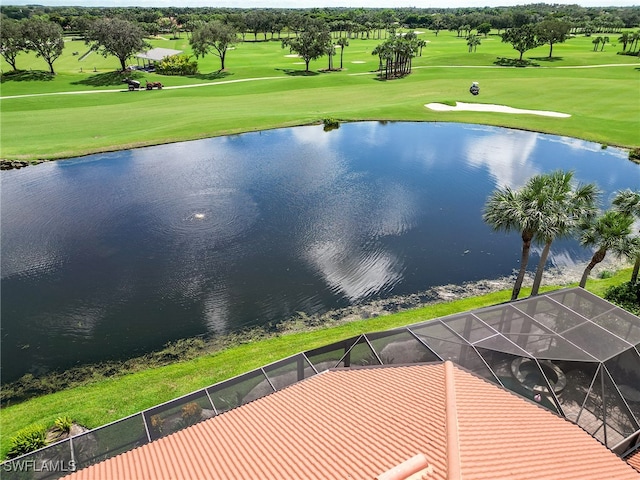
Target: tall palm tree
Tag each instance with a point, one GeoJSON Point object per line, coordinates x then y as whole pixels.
{"type": "Point", "coordinates": [628, 201]}
{"type": "Point", "coordinates": [609, 232]}
{"type": "Point", "coordinates": [343, 42]}
{"type": "Point", "coordinates": [561, 207]}
{"type": "Point", "coordinates": [546, 208]}
{"type": "Point", "coordinates": [510, 210]}
{"type": "Point", "coordinates": [624, 39]}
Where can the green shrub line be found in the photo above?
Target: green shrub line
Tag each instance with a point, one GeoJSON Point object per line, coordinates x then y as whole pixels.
{"type": "Point", "coordinates": [101, 400]}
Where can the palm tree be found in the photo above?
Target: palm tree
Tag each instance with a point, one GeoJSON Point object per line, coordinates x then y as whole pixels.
{"type": "Point", "coordinates": [625, 38]}
{"type": "Point", "coordinates": [509, 210]}
{"type": "Point", "coordinates": [628, 201]}
{"type": "Point", "coordinates": [561, 207]}
{"type": "Point", "coordinates": [473, 41]}
{"type": "Point", "coordinates": [545, 208]}
{"type": "Point", "coordinates": [596, 41]}
{"type": "Point", "coordinates": [343, 42]}
{"type": "Point", "coordinates": [610, 231]}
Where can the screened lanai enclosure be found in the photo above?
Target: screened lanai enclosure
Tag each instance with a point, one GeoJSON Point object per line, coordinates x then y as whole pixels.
{"type": "Point", "coordinates": [569, 350]}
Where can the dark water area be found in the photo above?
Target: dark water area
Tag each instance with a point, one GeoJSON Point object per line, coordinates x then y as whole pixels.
{"type": "Point", "coordinates": [110, 256]}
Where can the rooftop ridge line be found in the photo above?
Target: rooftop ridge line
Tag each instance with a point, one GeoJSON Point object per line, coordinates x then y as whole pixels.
{"type": "Point", "coordinates": [451, 423]}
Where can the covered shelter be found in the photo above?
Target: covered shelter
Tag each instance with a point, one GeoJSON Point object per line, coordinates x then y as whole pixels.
{"type": "Point", "coordinates": [150, 57]}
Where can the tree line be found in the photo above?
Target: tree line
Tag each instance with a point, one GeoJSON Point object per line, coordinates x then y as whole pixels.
{"type": "Point", "coordinates": [550, 206]}
{"type": "Point", "coordinates": [362, 21]}
{"type": "Point", "coordinates": [311, 33]}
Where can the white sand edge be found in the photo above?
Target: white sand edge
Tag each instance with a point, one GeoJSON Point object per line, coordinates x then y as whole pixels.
{"type": "Point", "coordinates": [483, 107]}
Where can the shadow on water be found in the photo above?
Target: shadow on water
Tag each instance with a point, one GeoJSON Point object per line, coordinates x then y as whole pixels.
{"type": "Point", "coordinates": [108, 79]}
{"type": "Point", "coordinates": [297, 73]}
{"type": "Point", "coordinates": [514, 62]}
{"type": "Point", "coordinates": [26, 76]}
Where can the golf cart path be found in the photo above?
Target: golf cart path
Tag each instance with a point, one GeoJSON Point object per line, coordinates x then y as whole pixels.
{"type": "Point", "coordinates": [224, 82]}
{"type": "Point", "coordinates": [82, 92]}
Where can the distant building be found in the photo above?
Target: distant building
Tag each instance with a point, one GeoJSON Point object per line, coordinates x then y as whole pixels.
{"type": "Point", "coordinates": [154, 55]}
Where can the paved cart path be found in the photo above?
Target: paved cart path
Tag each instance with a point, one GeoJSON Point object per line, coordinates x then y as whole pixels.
{"type": "Point", "coordinates": [224, 82]}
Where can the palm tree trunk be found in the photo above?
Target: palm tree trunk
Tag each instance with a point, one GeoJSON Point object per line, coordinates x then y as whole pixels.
{"type": "Point", "coordinates": [636, 268]}
{"type": "Point", "coordinates": [524, 260]}
{"type": "Point", "coordinates": [597, 258]}
{"type": "Point", "coordinates": [543, 260]}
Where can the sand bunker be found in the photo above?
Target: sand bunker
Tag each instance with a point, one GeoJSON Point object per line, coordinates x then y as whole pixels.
{"type": "Point", "coordinates": [482, 107]}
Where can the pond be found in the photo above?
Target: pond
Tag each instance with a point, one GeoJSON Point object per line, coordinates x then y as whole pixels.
{"type": "Point", "coordinates": [110, 256]}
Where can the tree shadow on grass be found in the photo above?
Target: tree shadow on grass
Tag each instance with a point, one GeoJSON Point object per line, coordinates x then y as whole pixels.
{"type": "Point", "coordinates": [108, 79]}
{"type": "Point", "coordinates": [217, 75]}
{"type": "Point", "coordinates": [514, 62]}
{"type": "Point", "coordinates": [298, 73]}
{"type": "Point", "coordinates": [26, 76]}
{"type": "Point", "coordinates": [547, 59]}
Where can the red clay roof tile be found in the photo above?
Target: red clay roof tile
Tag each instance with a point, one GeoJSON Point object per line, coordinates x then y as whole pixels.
{"type": "Point", "coordinates": [359, 423]}
{"type": "Point", "coordinates": [634, 460]}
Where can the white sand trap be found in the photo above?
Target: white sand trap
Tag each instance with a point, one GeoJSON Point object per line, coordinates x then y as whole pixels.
{"type": "Point", "coordinates": [293, 55]}
{"type": "Point", "coordinates": [358, 61]}
{"type": "Point", "coordinates": [483, 107]}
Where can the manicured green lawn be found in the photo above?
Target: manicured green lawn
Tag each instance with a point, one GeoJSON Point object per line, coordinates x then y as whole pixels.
{"type": "Point", "coordinates": [602, 101]}
{"type": "Point", "coordinates": [99, 403]}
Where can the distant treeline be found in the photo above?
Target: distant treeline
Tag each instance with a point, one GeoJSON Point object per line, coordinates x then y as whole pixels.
{"type": "Point", "coordinates": [263, 24]}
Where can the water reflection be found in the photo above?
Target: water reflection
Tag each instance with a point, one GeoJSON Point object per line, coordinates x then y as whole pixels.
{"type": "Point", "coordinates": [113, 255]}
{"type": "Point", "coordinates": [506, 154]}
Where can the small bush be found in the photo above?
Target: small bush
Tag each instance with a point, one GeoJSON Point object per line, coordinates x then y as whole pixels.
{"type": "Point", "coordinates": [634, 155]}
{"type": "Point", "coordinates": [606, 274]}
{"type": "Point", "coordinates": [177, 65]}
{"type": "Point", "coordinates": [63, 423]}
{"type": "Point", "coordinates": [626, 295]}
{"type": "Point", "coordinates": [157, 422]}
{"type": "Point", "coordinates": [191, 413]}
{"type": "Point", "coordinates": [28, 440]}
{"type": "Point", "coordinates": [330, 124]}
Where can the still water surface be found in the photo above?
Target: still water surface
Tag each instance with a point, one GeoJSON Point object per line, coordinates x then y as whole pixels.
{"type": "Point", "coordinates": [112, 255]}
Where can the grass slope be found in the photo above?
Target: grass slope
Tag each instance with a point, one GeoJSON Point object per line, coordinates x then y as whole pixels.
{"type": "Point", "coordinates": [102, 402]}
{"type": "Point", "coordinates": [280, 94]}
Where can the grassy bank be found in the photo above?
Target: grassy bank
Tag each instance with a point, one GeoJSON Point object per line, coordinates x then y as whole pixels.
{"type": "Point", "coordinates": [273, 91]}
{"type": "Point", "coordinates": [97, 403]}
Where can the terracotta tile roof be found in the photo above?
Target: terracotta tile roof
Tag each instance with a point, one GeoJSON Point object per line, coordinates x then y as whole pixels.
{"type": "Point", "coordinates": [634, 460]}
{"type": "Point", "coordinates": [359, 423]}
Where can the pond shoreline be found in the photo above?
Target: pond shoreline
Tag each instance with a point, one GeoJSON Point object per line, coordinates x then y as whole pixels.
{"type": "Point", "coordinates": [29, 386]}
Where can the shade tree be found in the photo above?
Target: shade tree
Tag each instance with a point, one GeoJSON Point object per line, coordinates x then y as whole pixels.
{"type": "Point", "coordinates": [552, 31]}
{"type": "Point", "coordinates": [118, 37]}
{"type": "Point", "coordinates": [44, 38]}
{"type": "Point", "coordinates": [522, 38]}
{"type": "Point", "coordinates": [213, 37]}
{"type": "Point", "coordinates": [311, 43]}
{"type": "Point", "coordinates": [12, 41]}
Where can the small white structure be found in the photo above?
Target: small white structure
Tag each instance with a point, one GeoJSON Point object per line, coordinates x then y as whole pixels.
{"type": "Point", "coordinates": [155, 55]}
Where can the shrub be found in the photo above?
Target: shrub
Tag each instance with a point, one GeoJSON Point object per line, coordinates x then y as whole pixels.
{"type": "Point", "coordinates": [157, 422]}
{"type": "Point", "coordinates": [626, 295]}
{"type": "Point", "coordinates": [330, 124]}
{"type": "Point", "coordinates": [634, 155]}
{"type": "Point", "coordinates": [191, 413]}
{"type": "Point", "coordinates": [28, 440]}
{"type": "Point", "coordinates": [177, 65]}
{"type": "Point", "coordinates": [63, 423]}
